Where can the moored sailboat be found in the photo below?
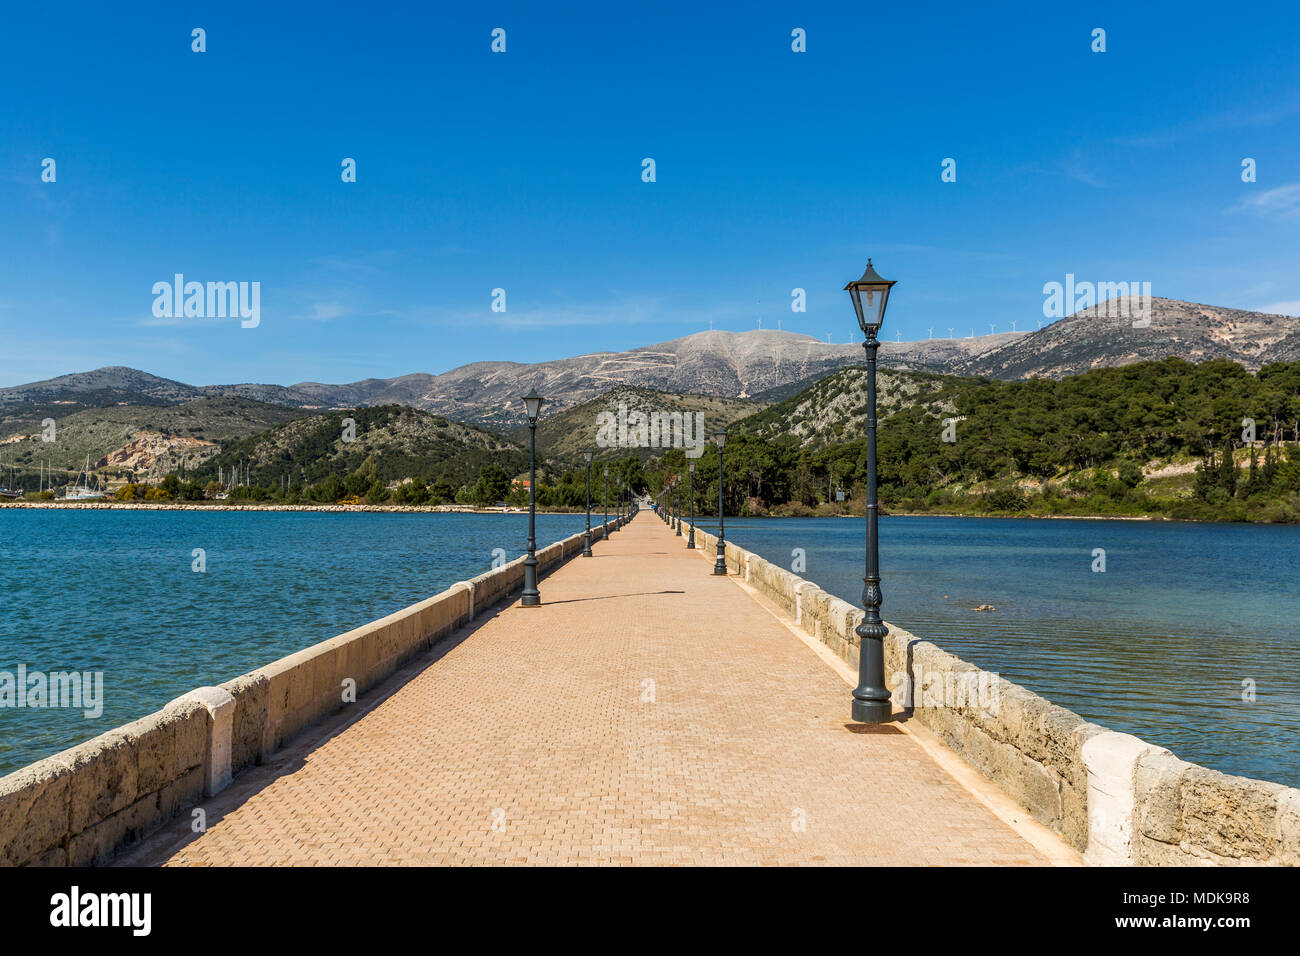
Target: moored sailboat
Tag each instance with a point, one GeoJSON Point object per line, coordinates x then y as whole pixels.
{"type": "Point", "coordinates": [83, 490]}
{"type": "Point", "coordinates": [8, 491]}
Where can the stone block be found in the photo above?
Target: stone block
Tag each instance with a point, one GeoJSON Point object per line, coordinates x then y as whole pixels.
{"type": "Point", "coordinates": [1288, 828]}
{"type": "Point", "coordinates": [1231, 817]}
{"type": "Point", "coordinates": [1158, 795]}
{"type": "Point", "coordinates": [101, 840]}
{"type": "Point", "coordinates": [35, 808]}
{"type": "Point", "coordinates": [104, 778]}
{"type": "Point", "coordinates": [1111, 760]}
{"type": "Point", "coordinates": [250, 693]}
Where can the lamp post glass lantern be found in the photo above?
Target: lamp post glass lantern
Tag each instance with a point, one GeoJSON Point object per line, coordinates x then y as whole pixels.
{"type": "Point", "coordinates": [720, 565]}
{"type": "Point", "coordinates": [871, 703]}
{"type": "Point", "coordinates": [533, 407]}
{"type": "Point", "coordinates": [586, 538]}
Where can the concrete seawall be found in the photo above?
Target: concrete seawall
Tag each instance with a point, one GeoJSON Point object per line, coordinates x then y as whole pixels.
{"type": "Point", "coordinates": [1116, 798]}
{"type": "Point", "coordinates": [79, 806]}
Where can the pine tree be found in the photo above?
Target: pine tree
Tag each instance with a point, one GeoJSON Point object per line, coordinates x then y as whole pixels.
{"type": "Point", "coordinates": [1206, 476]}
{"type": "Point", "coordinates": [1228, 470]}
{"type": "Point", "coordinates": [1270, 465]}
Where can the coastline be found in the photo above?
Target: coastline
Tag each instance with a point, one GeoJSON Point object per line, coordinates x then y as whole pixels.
{"type": "Point", "coordinates": [465, 509]}
{"type": "Point", "coordinates": [947, 514]}
{"type": "Point", "coordinates": [334, 509]}
{"type": "Point", "coordinates": [1008, 517]}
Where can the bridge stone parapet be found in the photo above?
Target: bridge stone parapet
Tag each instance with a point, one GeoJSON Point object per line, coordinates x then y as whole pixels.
{"type": "Point", "coordinates": [83, 804]}
{"type": "Point", "coordinates": [1114, 797]}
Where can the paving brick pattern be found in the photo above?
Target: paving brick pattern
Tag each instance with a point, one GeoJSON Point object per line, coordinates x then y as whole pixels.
{"type": "Point", "coordinates": [647, 713]}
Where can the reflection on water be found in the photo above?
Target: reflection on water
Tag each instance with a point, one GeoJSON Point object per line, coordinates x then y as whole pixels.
{"type": "Point", "coordinates": [1161, 644]}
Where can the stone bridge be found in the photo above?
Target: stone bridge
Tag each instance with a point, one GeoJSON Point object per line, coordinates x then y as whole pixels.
{"type": "Point", "coordinates": [648, 712]}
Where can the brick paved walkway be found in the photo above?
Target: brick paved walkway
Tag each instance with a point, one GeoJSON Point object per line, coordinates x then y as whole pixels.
{"type": "Point", "coordinates": [647, 713]}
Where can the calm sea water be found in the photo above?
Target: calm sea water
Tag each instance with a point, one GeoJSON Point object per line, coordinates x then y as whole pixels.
{"type": "Point", "coordinates": [1162, 644]}
{"type": "Point", "coordinates": [1158, 645]}
{"type": "Point", "coordinates": [114, 591]}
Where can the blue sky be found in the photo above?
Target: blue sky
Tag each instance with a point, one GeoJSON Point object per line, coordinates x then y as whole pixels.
{"type": "Point", "coordinates": [522, 171]}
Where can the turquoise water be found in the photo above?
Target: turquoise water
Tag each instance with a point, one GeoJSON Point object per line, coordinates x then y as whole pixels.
{"type": "Point", "coordinates": [1158, 645]}
{"type": "Point", "coordinates": [1162, 644]}
{"type": "Point", "coordinates": [114, 591]}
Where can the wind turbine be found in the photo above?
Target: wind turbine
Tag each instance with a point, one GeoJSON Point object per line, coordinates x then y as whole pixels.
{"type": "Point", "coordinates": [899, 337]}
{"type": "Point", "coordinates": [972, 333]}
{"type": "Point", "coordinates": [950, 332]}
{"type": "Point", "coordinates": [931, 332]}
{"type": "Point", "coordinates": [1013, 325]}
{"type": "Point", "coordinates": [992, 329]}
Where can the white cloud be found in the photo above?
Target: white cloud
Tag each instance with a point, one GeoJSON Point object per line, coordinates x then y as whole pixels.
{"type": "Point", "coordinates": [1281, 201]}
{"type": "Point", "coordinates": [1291, 307]}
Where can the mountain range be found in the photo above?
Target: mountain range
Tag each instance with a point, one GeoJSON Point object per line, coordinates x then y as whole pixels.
{"type": "Point", "coordinates": [766, 365]}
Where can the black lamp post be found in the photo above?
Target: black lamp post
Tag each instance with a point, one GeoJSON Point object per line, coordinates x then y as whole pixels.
{"type": "Point", "coordinates": [720, 566]}
{"type": "Point", "coordinates": [533, 406]}
{"type": "Point", "coordinates": [690, 537]}
{"type": "Point", "coordinates": [586, 538]}
{"type": "Point", "coordinates": [677, 490]}
{"type": "Point", "coordinates": [871, 704]}
{"type": "Point", "coordinates": [607, 502]}
{"type": "Point", "coordinates": [618, 501]}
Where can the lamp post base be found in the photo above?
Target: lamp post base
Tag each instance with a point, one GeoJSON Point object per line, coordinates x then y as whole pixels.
{"type": "Point", "coordinates": [531, 597]}
{"type": "Point", "coordinates": [873, 711]}
{"type": "Point", "coordinates": [720, 566]}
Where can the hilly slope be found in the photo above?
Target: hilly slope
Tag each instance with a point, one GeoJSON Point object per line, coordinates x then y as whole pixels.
{"type": "Point", "coordinates": [723, 364]}
{"type": "Point", "coordinates": [405, 443]}
{"type": "Point", "coordinates": [1166, 412]}
{"type": "Point", "coordinates": [763, 363]}
{"type": "Point", "coordinates": [111, 385]}
{"type": "Point", "coordinates": [1094, 339]}
{"type": "Point", "coordinates": [834, 409]}
{"type": "Point", "coordinates": [149, 440]}
{"type": "Point", "coordinates": [566, 434]}
{"type": "Point", "coordinates": [716, 363]}
{"type": "Point", "coordinates": [118, 385]}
